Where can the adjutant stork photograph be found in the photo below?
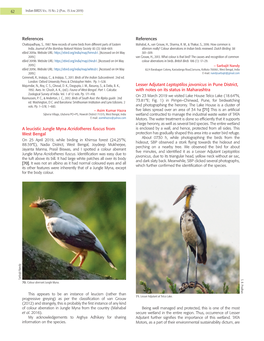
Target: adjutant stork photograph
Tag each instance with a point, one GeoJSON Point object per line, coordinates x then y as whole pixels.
{"type": "Point", "coordinates": [188, 231]}
{"type": "Point", "coordinates": [193, 233]}
{"type": "Point", "coordinates": [74, 226]}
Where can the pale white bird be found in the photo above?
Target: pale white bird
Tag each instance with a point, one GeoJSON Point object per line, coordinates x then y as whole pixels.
{"type": "Point", "coordinates": [69, 231]}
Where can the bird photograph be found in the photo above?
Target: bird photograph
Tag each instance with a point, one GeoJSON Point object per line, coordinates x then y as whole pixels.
{"type": "Point", "coordinates": [69, 231]}
{"type": "Point", "coordinates": [80, 218]}
{"type": "Point", "coordinates": [191, 241]}
{"type": "Point", "coordinates": [193, 231]}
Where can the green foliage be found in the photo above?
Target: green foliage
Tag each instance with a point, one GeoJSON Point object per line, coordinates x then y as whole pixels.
{"type": "Point", "coordinates": [146, 288]}
{"type": "Point", "coordinates": [100, 205]}
{"type": "Point", "coordinates": [172, 286]}
{"type": "Point", "coordinates": [207, 287]}
{"type": "Point", "coordinates": [225, 288]}
{"type": "Point", "coordinates": [161, 252]}
{"type": "Point", "coordinates": [238, 289]}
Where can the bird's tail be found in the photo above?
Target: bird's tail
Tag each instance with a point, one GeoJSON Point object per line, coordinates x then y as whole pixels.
{"type": "Point", "coordinates": [106, 258]}
{"type": "Point", "coordinates": [202, 258]}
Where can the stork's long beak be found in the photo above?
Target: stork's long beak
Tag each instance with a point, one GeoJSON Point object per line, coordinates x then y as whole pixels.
{"type": "Point", "coordinates": [181, 196]}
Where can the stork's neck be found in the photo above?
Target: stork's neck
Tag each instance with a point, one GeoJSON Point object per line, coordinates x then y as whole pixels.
{"type": "Point", "coordinates": [188, 201]}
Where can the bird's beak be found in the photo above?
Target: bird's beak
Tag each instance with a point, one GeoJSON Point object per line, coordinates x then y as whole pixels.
{"type": "Point", "coordinates": [33, 205]}
{"type": "Point", "coordinates": [181, 196]}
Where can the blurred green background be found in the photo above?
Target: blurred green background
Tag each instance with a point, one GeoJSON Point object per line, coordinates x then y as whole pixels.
{"type": "Point", "coordinates": [100, 205]}
{"type": "Point", "coordinates": [161, 252]}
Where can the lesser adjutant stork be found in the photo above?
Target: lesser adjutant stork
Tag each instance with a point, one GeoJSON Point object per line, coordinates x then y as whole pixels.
{"type": "Point", "coordinates": [192, 230]}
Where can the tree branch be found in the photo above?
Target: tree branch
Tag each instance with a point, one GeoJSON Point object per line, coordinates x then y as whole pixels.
{"type": "Point", "coordinates": [40, 265]}
{"type": "Point", "coordinates": [192, 285]}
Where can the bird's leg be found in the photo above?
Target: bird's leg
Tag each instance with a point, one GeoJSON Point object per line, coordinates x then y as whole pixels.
{"type": "Point", "coordinates": [188, 263]}
{"type": "Point", "coordinates": [74, 259]}
{"type": "Point", "coordinates": [196, 258]}
{"type": "Point", "coordinates": [82, 259]}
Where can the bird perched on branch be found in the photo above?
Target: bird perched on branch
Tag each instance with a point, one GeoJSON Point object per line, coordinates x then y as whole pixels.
{"type": "Point", "coordinates": [69, 231]}
{"type": "Point", "coordinates": [192, 230]}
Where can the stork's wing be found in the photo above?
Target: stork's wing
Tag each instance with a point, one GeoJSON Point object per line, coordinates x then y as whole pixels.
{"type": "Point", "coordinates": [202, 234]}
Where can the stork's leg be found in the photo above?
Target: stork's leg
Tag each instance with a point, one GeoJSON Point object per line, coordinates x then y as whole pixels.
{"type": "Point", "coordinates": [196, 258]}
{"type": "Point", "coordinates": [188, 263]}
